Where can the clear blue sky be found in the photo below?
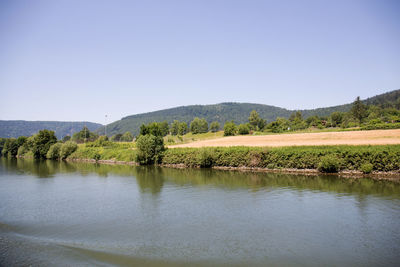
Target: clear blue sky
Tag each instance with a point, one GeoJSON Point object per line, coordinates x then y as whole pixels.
{"type": "Point", "coordinates": [80, 60]}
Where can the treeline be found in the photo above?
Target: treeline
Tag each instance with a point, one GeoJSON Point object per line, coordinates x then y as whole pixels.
{"type": "Point", "coordinates": [43, 145]}
{"type": "Point", "coordinates": [85, 135]}
{"type": "Point", "coordinates": [367, 117]}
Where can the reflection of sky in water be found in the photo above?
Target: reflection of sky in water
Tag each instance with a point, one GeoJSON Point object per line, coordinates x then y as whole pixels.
{"type": "Point", "coordinates": [196, 214]}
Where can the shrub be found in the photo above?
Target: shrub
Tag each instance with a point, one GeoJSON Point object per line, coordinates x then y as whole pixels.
{"type": "Point", "coordinates": [54, 151]}
{"type": "Point", "coordinates": [127, 137]}
{"type": "Point", "coordinates": [230, 128]}
{"type": "Point", "coordinates": [205, 158]}
{"type": "Point", "coordinates": [67, 149]}
{"type": "Point", "coordinates": [22, 150]}
{"type": "Point", "coordinates": [214, 127]}
{"type": "Point", "coordinates": [329, 163]}
{"type": "Point", "coordinates": [243, 129]}
{"type": "Point", "coordinates": [102, 141]}
{"type": "Point", "coordinates": [96, 156]}
{"type": "Point", "coordinates": [150, 149]}
{"type": "Point", "coordinates": [367, 168]}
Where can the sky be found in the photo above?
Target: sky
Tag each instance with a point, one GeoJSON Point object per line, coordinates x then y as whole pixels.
{"type": "Point", "coordinates": [82, 60]}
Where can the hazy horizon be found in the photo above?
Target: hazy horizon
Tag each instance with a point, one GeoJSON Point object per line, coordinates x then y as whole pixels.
{"type": "Point", "coordinates": [81, 60]}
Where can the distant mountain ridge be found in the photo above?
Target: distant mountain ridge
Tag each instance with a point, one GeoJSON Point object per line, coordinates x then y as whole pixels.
{"type": "Point", "coordinates": [15, 128]}
{"type": "Point", "coordinates": [238, 112]}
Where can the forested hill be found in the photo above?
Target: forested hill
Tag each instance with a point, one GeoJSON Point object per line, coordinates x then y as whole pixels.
{"type": "Point", "coordinates": [28, 128]}
{"type": "Point", "coordinates": [238, 112]}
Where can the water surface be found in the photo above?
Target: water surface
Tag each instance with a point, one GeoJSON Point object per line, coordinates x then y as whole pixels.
{"type": "Point", "coordinates": [57, 213]}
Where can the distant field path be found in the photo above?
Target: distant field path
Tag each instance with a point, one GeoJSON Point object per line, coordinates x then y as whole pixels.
{"type": "Point", "coordinates": [374, 137]}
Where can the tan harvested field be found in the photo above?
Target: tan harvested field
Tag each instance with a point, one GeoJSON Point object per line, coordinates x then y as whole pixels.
{"type": "Point", "coordinates": [375, 137]}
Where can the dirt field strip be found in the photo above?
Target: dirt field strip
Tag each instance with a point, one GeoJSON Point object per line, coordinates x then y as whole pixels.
{"type": "Point", "coordinates": [374, 137]}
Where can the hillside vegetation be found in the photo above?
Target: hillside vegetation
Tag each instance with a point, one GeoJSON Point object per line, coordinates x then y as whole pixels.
{"type": "Point", "coordinates": [18, 128]}
{"type": "Point", "coordinates": [236, 112]}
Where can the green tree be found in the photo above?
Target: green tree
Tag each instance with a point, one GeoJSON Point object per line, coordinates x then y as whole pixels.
{"type": "Point", "coordinates": [151, 128]}
{"type": "Point", "coordinates": [42, 142]}
{"type": "Point", "coordinates": [296, 121]}
{"type": "Point", "coordinates": [10, 148]}
{"type": "Point", "coordinates": [54, 151]}
{"type": "Point", "coordinates": [2, 142]}
{"type": "Point", "coordinates": [359, 110]}
{"type": "Point", "coordinates": [243, 129]}
{"type": "Point", "coordinates": [66, 138]}
{"type": "Point", "coordinates": [199, 126]}
{"type": "Point", "coordinates": [127, 137]}
{"type": "Point", "coordinates": [183, 128]}
{"type": "Point", "coordinates": [336, 118]}
{"type": "Point", "coordinates": [116, 137]}
{"type": "Point", "coordinates": [230, 128]}
{"type": "Point", "coordinates": [255, 122]}
{"type": "Point", "coordinates": [280, 125]}
{"type": "Point", "coordinates": [215, 126]}
{"type": "Point", "coordinates": [175, 127]}
{"type": "Point", "coordinates": [67, 149]}
{"type": "Point", "coordinates": [150, 149]}
{"type": "Point", "coordinates": [164, 128]}
{"type": "Point", "coordinates": [254, 119]}
{"type": "Point", "coordinates": [84, 135]}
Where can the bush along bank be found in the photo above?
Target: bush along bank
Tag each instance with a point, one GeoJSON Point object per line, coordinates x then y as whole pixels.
{"type": "Point", "coordinates": [329, 159]}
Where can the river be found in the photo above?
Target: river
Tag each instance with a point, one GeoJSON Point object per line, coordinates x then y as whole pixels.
{"type": "Point", "coordinates": [83, 214]}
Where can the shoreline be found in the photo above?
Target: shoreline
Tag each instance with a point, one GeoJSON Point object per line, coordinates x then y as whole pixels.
{"type": "Point", "coordinates": [393, 176]}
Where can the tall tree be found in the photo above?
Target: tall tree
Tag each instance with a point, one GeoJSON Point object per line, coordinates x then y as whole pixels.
{"type": "Point", "coordinates": [256, 123]}
{"type": "Point", "coordinates": [359, 110]}
{"type": "Point", "coordinates": [174, 127]}
{"type": "Point", "coordinates": [42, 143]}
{"type": "Point", "coordinates": [199, 126]}
{"type": "Point", "coordinates": [183, 128]}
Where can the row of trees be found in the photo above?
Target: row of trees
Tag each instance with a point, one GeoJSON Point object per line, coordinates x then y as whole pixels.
{"type": "Point", "coordinates": [359, 115]}
{"type": "Point", "coordinates": [200, 125]}
{"type": "Point", "coordinates": [42, 145]}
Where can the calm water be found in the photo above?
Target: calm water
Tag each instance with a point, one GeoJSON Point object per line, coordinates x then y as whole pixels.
{"type": "Point", "coordinates": [67, 214]}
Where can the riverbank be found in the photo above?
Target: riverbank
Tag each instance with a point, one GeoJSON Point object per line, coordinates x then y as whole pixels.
{"type": "Point", "coordinates": [377, 162]}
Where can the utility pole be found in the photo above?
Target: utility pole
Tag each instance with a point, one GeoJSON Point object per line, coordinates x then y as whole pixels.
{"type": "Point", "coordinates": [105, 128]}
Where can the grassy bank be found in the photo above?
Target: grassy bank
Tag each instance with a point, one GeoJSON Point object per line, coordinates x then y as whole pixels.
{"type": "Point", "coordinates": [112, 151]}
{"type": "Point", "coordinates": [325, 158]}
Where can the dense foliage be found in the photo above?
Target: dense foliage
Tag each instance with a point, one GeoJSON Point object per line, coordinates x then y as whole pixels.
{"type": "Point", "coordinates": [42, 142]}
{"type": "Point", "coordinates": [199, 126]}
{"type": "Point", "coordinates": [230, 128]}
{"type": "Point", "coordinates": [325, 158]}
{"type": "Point", "coordinates": [54, 151]}
{"type": "Point", "coordinates": [215, 126]}
{"type": "Point", "coordinates": [67, 149]}
{"type": "Point", "coordinates": [150, 149]}
{"type": "Point", "coordinates": [150, 143]}
{"type": "Point", "coordinates": [84, 135]}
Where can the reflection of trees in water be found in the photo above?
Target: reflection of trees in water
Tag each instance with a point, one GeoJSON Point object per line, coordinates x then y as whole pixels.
{"type": "Point", "coordinates": [150, 179]}
{"type": "Point", "coordinates": [262, 181]}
